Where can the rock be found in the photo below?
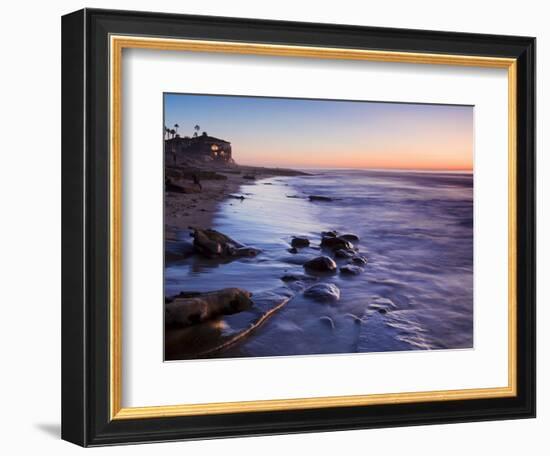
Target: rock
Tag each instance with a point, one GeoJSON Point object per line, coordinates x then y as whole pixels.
{"type": "Point", "coordinates": [329, 234]}
{"type": "Point", "coordinates": [323, 292]}
{"type": "Point", "coordinates": [186, 294]}
{"type": "Point", "coordinates": [192, 308]}
{"type": "Point", "coordinates": [350, 237]}
{"type": "Point", "coordinates": [246, 252]}
{"type": "Point", "coordinates": [207, 246]}
{"type": "Point", "coordinates": [249, 177]}
{"type": "Point", "coordinates": [360, 260]}
{"type": "Point", "coordinates": [212, 243]}
{"type": "Point", "coordinates": [299, 242]}
{"type": "Point", "coordinates": [382, 311]}
{"type": "Point", "coordinates": [297, 277]}
{"type": "Point", "coordinates": [322, 263]}
{"type": "Point", "coordinates": [293, 250]}
{"type": "Point", "coordinates": [319, 198]}
{"type": "Point", "coordinates": [336, 243]}
{"type": "Point", "coordinates": [341, 253]}
{"type": "Point", "coordinates": [350, 269]}
{"type": "Point", "coordinates": [239, 197]}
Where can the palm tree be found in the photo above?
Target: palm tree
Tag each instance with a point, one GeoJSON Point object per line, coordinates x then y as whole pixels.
{"type": "Point", "coordinates": [176, 126]}
{"type": "Point", "coordinates": [197, 129]}
{"type": "Point", "coordinates": [166, 135]}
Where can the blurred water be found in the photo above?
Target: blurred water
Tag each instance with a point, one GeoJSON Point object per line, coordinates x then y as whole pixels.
{"type": "Point", "coordinates": [416, 292]}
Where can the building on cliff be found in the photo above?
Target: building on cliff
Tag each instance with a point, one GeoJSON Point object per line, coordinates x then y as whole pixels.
{"type": "Point", "coordinates": [180, 151]}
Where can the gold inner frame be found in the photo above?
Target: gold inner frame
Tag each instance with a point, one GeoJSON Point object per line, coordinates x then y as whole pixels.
{"type": "Point", "coordinates": [117, 44]}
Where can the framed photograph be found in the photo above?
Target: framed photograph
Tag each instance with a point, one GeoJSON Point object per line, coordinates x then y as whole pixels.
{"type": "Point", "coordinates": [279, 227]}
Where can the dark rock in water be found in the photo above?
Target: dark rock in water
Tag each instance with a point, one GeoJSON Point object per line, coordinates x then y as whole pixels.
{"type": "Point", "coordinates": [246, 252]}
{"type": "Point", "coordinates": [192, 308]}
{"type": "Point", "coordinates": [299, 242]}
{"type": "Point", "coordinates": [212, 243]}
{"type": "Point", "coordinates": [336, 243]}
{"type": "Point", "coordinates": [187, 294]}
{"type": "Point", "coordinates": [322, 263]}
{"type": "Point", "coordinates": [297, 277]}
{"type": "Point", "coordinates": [319, 198]}
{"type": "Point", "coordinates": [249, 177]}
{"type": "Point", "coordinates": [218, 334]}
{"type": "Point", "coordinates": [382, 311]}
{"type": "Point", "coordinates": [239, 197]}
{"type": "Point", "coordinates": [350, 269]}
{"type": "Point", "coordinates": [323, 292]}
{"type": "Point", "coordinates": [350, 237]}
{"type": "Point", "coordinates": [293, 196]}
{"type": "Point", "coordinates": [360, 260]}
{"type": "Point", "coordinates": [293, 250]}
{"type": "Point", "coordinates": [341, 253]}
{"type": "Point", "coordinates": [329, 234]}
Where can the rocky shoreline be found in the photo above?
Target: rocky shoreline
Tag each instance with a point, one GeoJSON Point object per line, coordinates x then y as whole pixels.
{"type": "Point", "coordinates": [196, 323]}
{"type": "Point", "coordinates": [205, 324]}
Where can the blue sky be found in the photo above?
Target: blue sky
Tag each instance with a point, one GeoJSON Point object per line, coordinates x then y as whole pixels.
{"type": "Point", "coordinates": [328, 133]}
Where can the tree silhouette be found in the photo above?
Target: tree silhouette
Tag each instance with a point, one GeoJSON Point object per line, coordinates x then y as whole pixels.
{"type": "Point", "coordinates": [197, 129]}
{"type": "Point", "coordinates": [176, 126]}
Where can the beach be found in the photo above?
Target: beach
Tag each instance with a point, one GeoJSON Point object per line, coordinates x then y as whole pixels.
{"type": "Point", "coordinates": [414, 290]}
{"type": "Point", "coordinates": [217, 184]}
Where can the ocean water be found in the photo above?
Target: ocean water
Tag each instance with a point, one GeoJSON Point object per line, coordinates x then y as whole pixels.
{"type": "Point", "coordinates": [416, 291]}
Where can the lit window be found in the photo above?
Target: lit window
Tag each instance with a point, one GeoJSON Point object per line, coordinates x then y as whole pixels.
{"type": "Point", "coordinates": [214, 147]}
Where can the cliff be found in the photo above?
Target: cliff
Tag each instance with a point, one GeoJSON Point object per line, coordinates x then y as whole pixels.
{"type": "Point", "coordinates": [204, 148]}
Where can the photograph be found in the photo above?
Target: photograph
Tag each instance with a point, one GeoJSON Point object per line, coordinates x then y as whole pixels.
{"type": "Point", "coordinates": [297, 226]}
{"type": "Point", "coordinates": [285, 224]}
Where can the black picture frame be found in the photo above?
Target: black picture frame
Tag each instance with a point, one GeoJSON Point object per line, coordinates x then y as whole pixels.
{"type": "Point", "coordinates": [85, 228]}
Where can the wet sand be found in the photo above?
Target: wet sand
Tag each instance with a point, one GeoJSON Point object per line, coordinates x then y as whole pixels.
{"type": "Point", "coordinates": [197, 208]}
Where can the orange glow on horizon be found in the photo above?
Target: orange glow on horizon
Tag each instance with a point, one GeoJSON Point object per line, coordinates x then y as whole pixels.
{"type": "Point", "coordinates": [406, 160]}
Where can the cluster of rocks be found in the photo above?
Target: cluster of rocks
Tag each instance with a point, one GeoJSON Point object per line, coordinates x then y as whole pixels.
{"type": "Point", "coordinates": [338, 247]}
{"type": "Point", "coordinates": [190, 308]}
{"type": "Point", "coordinates": [319, 198]}
{"type": "Point", "coordinates": [213, 244]}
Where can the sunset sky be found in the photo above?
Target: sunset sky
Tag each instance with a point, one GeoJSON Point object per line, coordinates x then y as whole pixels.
{"type": "Point", "coordinates": [305, 133]}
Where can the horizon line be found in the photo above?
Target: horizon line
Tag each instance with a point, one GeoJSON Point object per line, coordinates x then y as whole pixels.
{"type": "Point", "coordinates": [448, 170]}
